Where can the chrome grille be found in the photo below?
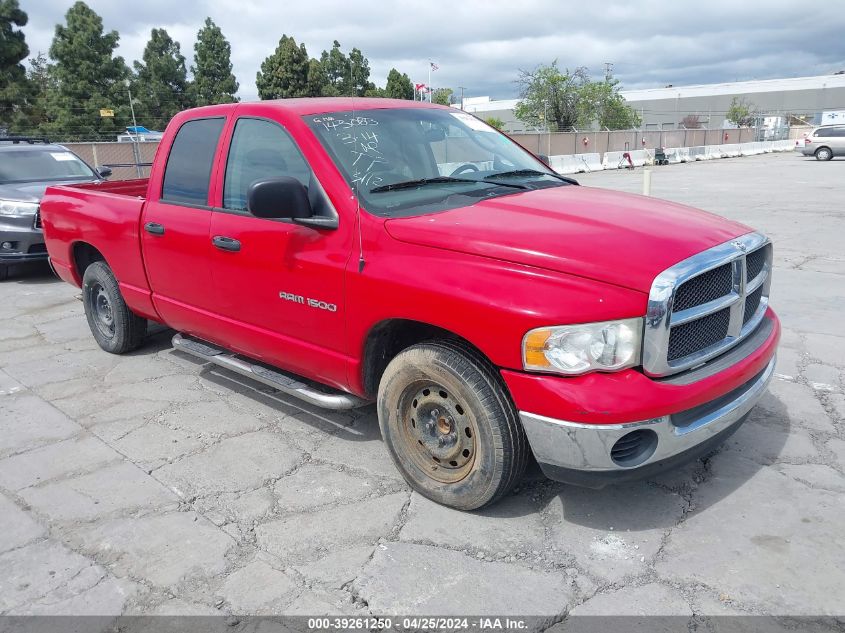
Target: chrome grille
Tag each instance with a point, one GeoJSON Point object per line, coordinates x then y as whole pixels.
{"type": "Point", "coordinates": [699, 334]}
{"type": "Point", "coordinates": [706, 287]}
{"type": "Point", "coordinates": [36, 223]}
{"type": "Point", "coordinates": [706, 304]}
{"type": "Point", "coordinates": [754, 263]}
{"type": "Point", "coordinates": [752, 302]}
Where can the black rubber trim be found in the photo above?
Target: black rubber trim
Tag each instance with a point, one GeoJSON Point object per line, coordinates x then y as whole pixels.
{"type": "Point", "coordinates": [600, 479]}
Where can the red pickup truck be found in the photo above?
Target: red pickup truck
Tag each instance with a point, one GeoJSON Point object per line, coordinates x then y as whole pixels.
{"type": "Point", "coordinates": [356, 250]}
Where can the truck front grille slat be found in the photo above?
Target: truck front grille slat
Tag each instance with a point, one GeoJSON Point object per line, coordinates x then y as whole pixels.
{"type": "Point", "coordinates": [704, 288]}
{"type": "Point", "coordinates": [752, 302]}
{"type": "Point", "coordinates": [697, 335]}
{"type": "Point", "coordinates": [720, 293]}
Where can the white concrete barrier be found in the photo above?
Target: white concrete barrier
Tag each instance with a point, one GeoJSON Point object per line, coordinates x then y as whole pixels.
{"type": "Point", "coordinates": [698, 153]}
{"type": "Point", "coordinates": [591, 162]}
{"type": "Point", "coordinates": [576, 163]}
{"type": "Point", "coordinates": [730, 150]}
{"type": "Point", "coordinates": [617, 160]}
{"type": "Point", "coordinates": [713, 151]}
{"type": "Point", "coordinates": [564, 164]}
{"type": "Point", "coordinates": [679, 155]}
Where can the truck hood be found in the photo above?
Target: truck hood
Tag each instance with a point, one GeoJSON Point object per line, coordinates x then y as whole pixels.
{"type": "Point", "coordinates": [613, 237]}
{"type": "Point", "coordinates": [31, 191]}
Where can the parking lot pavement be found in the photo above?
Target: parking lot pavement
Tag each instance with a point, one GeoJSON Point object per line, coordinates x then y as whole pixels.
{"type": "Point", "coordinates": [150, 483]}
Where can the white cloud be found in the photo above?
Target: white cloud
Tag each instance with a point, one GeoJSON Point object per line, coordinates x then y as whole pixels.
{"type": "Point", "coordinates": [482, 44]}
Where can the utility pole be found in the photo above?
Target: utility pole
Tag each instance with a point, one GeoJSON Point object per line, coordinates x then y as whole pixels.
{"type": "Point", "coordinates": [135, 151]}
{"type": "Point", "coordinates": [608, 71]}
{"type": "Point", "coordinates": [462, 97]}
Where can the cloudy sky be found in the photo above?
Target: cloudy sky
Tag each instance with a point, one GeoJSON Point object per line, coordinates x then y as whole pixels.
{"type": "Point", "coordinates": [482, 44]}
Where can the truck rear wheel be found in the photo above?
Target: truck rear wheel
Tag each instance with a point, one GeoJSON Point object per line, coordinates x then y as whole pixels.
{"type": "Point", "coordinates": [450, 425]}
{"type": "Point", "coordinates": [115, 327]}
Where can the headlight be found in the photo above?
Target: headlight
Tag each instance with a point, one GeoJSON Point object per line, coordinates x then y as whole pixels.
{"type": "Point", "coordinates": [17, 209]}
{"type": "Point", "coordinates": [577, 349]}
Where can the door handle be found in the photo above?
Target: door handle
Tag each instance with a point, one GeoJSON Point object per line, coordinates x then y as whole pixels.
{"type": "Point", "coordinates": [154, 228]}
{"type": "Point", "coordinates": [226, 243]}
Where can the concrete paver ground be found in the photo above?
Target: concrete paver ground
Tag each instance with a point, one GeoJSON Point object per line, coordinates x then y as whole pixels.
{"type": "Point", "coordinates": [151, 483]}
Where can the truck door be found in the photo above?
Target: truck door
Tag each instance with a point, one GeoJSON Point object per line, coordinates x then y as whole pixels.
{"type": "Point", "coordinates": [174, 229]}
{"type": "Point", "coordinates": [279, 285]}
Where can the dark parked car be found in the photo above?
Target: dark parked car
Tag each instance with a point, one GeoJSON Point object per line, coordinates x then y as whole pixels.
{"type": "Point", "coordinates": [27, 167]}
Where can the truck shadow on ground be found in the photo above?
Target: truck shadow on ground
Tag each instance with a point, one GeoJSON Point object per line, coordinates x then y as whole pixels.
{"type": "Point", "coordinates": [31, 274]}
{"type": "Point", "coordinates": [654, 503]}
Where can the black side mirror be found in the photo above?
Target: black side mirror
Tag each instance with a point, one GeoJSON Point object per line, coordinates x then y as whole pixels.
{"type": "Point", "coordinates": [279, 198]}
{"type": "Point", "coordinates": [544, 159]}
{"type": "Point", "coordinates": [103, 171]}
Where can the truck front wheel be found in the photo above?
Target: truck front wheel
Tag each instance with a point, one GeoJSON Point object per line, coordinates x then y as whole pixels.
{"type": "Point", "coordinates": [450, 425]}
{"type": "Point", "coordinates": [114, 326]}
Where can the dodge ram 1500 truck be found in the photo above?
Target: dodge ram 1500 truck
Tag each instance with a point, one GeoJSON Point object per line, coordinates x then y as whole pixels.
{"type": "Point", "coordinates": [351, 250]}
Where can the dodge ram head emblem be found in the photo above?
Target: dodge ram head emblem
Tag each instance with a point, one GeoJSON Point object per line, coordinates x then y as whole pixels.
{"type": "Point", "coordinates": [739, 245]}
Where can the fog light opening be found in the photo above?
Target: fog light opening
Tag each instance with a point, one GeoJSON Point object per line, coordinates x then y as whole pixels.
{"type": "Point", "coordinates": [634, 448]}
{"type": "Point", "coordinates": [6, 246]}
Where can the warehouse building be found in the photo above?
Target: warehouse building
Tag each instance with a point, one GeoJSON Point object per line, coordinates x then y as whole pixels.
{"type": "Point", "coordinates": [802, 98]}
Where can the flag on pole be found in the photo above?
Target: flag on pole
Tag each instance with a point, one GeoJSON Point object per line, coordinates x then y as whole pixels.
{"type": "Point", "coordinates": [434, 66]}
{"type": "Point", "coordinates": [420, 87]}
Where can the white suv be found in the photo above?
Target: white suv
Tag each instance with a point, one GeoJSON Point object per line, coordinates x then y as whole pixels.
{"type": "Point", "coordinates": [825, 142]}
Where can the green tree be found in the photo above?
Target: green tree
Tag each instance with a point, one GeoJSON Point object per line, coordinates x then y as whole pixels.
{"type": "Point", "coordinates": [317, 80]}
{"type": "Point", "coordinates": [161, 81]}
{"type": "Point", "coordinates": [89, 77]}
{"type": "Point", "coordinates": [375, 91]}
{"type": "Point", "coordinates": [398, 86]}
{"type": "Point", "coordinates": [496, 122]}
{"type": "Point", "coordinates": [549, 97]}
{"type": "Point", "coordinates": [443, 96]}
{"type": "Point", "coordinates": [336, 69]}
{"type": "Point", "coordinates": [212, 70]}
{"type": "Point", "coordinates": [741, 113]}
{"type": "Point", "coordinates": [35, 118]}
{"type": "Point", "coordinates": [284, 74]}
{"type": "Point", "coordinates": [14, 88]}
{"type": "Point", "coordinates": [359, 74]}
{"type": "Point", "coordinates": [600, 103]}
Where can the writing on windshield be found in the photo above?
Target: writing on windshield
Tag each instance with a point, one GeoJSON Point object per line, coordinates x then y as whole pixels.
{"type": "Point", "coordinates": [359, 137]}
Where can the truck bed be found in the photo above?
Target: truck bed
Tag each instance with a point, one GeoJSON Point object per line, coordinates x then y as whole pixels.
{"type": "Point", "coordinates": [99, 220]}
{"type": "Point", "coordinates": [136, 188]}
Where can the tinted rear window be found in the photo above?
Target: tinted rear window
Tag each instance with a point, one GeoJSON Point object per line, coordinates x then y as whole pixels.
{"type": "Point", "coordinates": [827, 132]}
{"type": "Point", "coordinates": [188, 170]}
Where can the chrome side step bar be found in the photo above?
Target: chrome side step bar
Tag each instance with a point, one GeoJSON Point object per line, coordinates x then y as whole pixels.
{"type": "Point", "coordinates": [265, 375]}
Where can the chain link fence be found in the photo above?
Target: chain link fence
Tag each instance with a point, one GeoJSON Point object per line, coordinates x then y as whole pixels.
{"type": "Point", "coordinates": [127, 160]}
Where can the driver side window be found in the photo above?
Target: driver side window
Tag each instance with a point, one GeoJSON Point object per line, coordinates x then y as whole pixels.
{"type": "Point", "coordinates": [260, 150]}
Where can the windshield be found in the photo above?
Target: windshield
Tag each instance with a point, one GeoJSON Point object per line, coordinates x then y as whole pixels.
{"type": "Point", "coordinates": [411, 161]}
{"type": "Point", "coordinates": [39, 165]}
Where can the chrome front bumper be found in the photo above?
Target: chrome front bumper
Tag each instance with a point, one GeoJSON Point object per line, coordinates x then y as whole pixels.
{"type": "Point", "coordinates": [563, 447]}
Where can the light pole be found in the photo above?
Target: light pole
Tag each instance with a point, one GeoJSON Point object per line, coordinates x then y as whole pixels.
{"type": "Point", "coordinates": [134, 135]}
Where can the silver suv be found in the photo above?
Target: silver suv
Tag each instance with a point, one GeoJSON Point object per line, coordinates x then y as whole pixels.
{"type": "Point", "coordinates": [27, 167]}
{"type": "Point", "coordinates": [825, 142]}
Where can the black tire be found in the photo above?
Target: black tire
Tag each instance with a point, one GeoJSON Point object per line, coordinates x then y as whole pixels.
{"type": "Point", "coordinates": [824, 153]}
{"type": "Point", "coordinates": [115, 327]}
{"type": "Point", "coordinates": [450, 425]}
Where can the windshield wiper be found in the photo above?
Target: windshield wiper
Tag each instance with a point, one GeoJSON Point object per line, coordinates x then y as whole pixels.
{"type": "Point", "coordinates": [438, 180]}
{"type": "Point", "coordinates": [529, 172]}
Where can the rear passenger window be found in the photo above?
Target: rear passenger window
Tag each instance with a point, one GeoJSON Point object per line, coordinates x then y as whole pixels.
{"type": "Point", "coordinates": [188, 169]}
{"type": "Point", "coordinates": [260, 150]}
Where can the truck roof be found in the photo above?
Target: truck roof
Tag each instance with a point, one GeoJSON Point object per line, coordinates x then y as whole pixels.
{"type": "Point", "coordinates": [319, 105]}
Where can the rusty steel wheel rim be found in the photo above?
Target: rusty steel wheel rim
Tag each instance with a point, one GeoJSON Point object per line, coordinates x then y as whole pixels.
{"type": "Point", "coordinates": [437, 432]}
{"type": "Point", "coordinates": [101, 307]}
